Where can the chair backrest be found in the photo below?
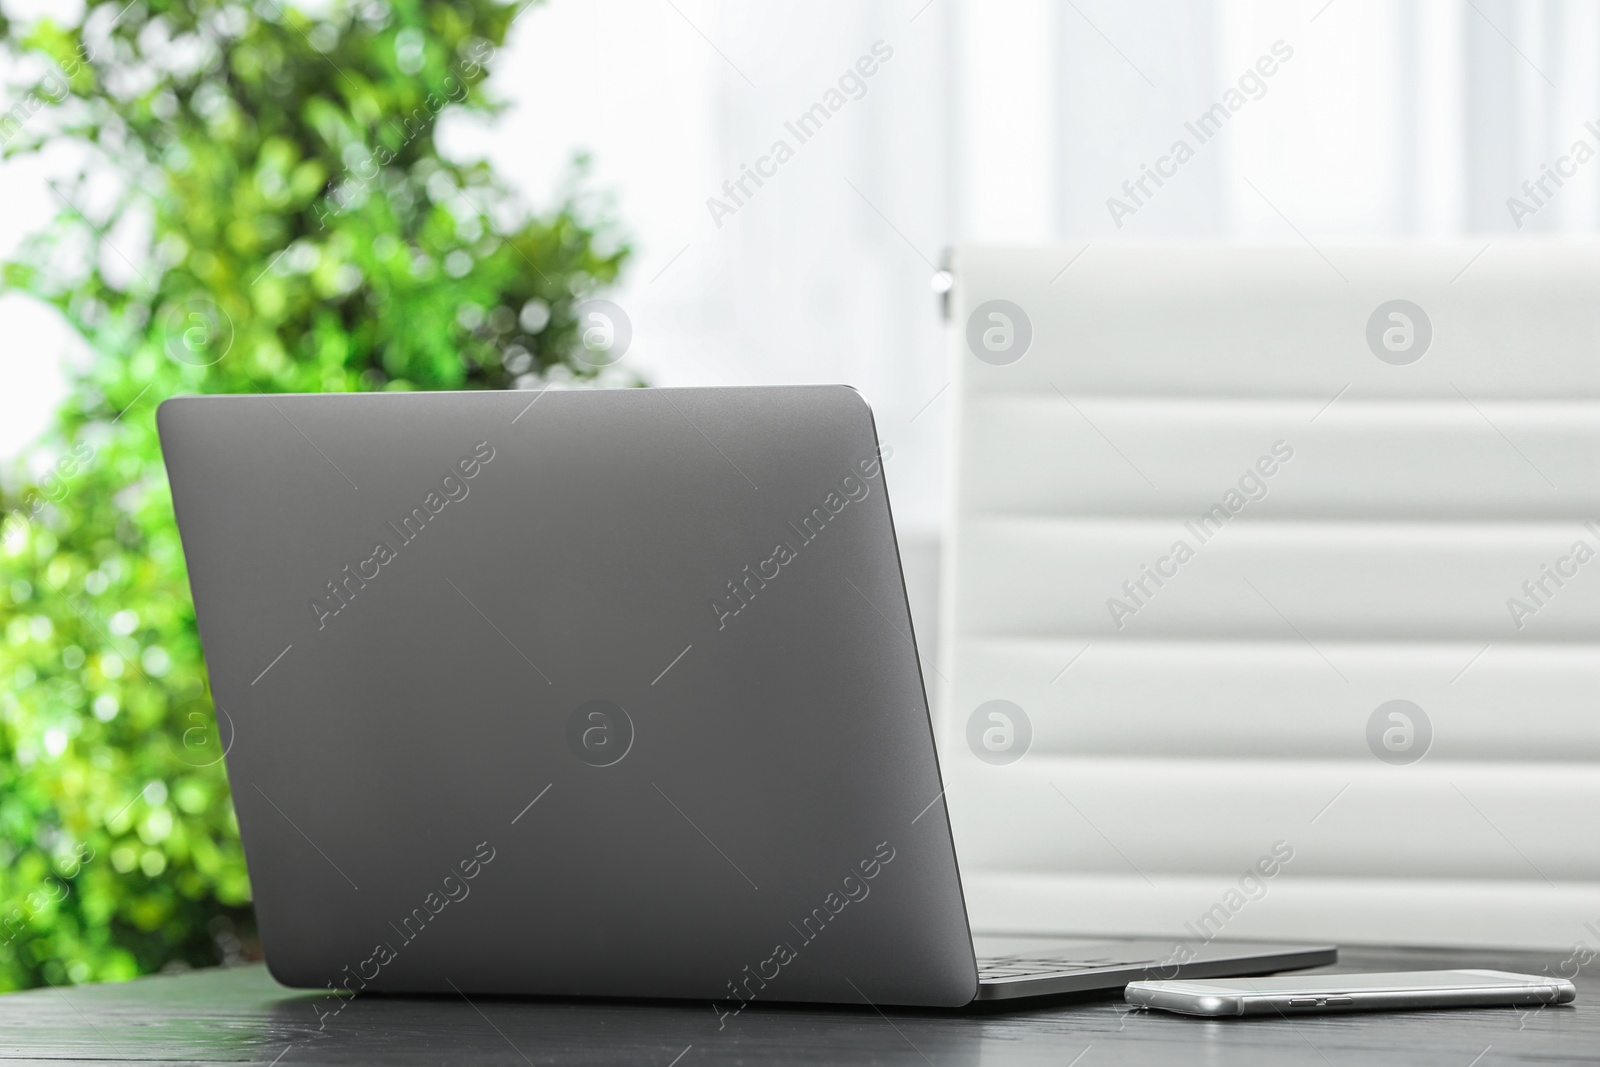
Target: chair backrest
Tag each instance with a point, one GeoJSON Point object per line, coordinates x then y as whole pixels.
{"type": "Point", "coordinates": [1283, 566]}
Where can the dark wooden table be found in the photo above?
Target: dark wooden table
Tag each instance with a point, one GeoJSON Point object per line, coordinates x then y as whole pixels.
{"type": "Point", "coordinates": [242, 1016]}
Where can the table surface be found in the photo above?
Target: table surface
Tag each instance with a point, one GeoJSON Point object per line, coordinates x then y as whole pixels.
{"type": "Point", "coordinates": [241, 1016]}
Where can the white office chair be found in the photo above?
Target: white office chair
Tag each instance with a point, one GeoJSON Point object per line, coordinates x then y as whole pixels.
{"type": "Point", "coordinates": [1378, 652]}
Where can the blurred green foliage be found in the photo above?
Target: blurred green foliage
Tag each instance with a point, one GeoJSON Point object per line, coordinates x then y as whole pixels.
{"type": "Point", "coordinates": [258, 203]}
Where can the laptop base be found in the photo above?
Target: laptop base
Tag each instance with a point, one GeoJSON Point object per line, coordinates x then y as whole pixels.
{"type": "Point", "coordinates": [1014, 966]}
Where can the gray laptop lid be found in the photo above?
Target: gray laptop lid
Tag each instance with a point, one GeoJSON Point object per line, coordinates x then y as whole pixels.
{"type": "Point", "coordinates": [601, 692]}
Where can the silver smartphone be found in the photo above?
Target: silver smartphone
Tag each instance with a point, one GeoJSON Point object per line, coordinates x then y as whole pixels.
{"type": "Point", "coordinates": [1349, 992]}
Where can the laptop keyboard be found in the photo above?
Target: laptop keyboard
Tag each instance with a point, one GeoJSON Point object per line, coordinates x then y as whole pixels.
{"type": "Point", "coordinates": [998, 967]}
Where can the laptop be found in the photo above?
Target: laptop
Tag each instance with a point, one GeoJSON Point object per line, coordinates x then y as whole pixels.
{"type": "Point", "coordinates": [590, 693]}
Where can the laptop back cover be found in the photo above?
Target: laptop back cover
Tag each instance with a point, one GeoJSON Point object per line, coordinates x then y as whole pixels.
{"type": "Point", "coordinates": [577, 692]}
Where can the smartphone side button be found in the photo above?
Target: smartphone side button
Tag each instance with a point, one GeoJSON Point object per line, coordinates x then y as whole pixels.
{"type": "Point", "coordinates": [1303, 1002]}
{"type": "Point", "coordinates": [1340, 1000]}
